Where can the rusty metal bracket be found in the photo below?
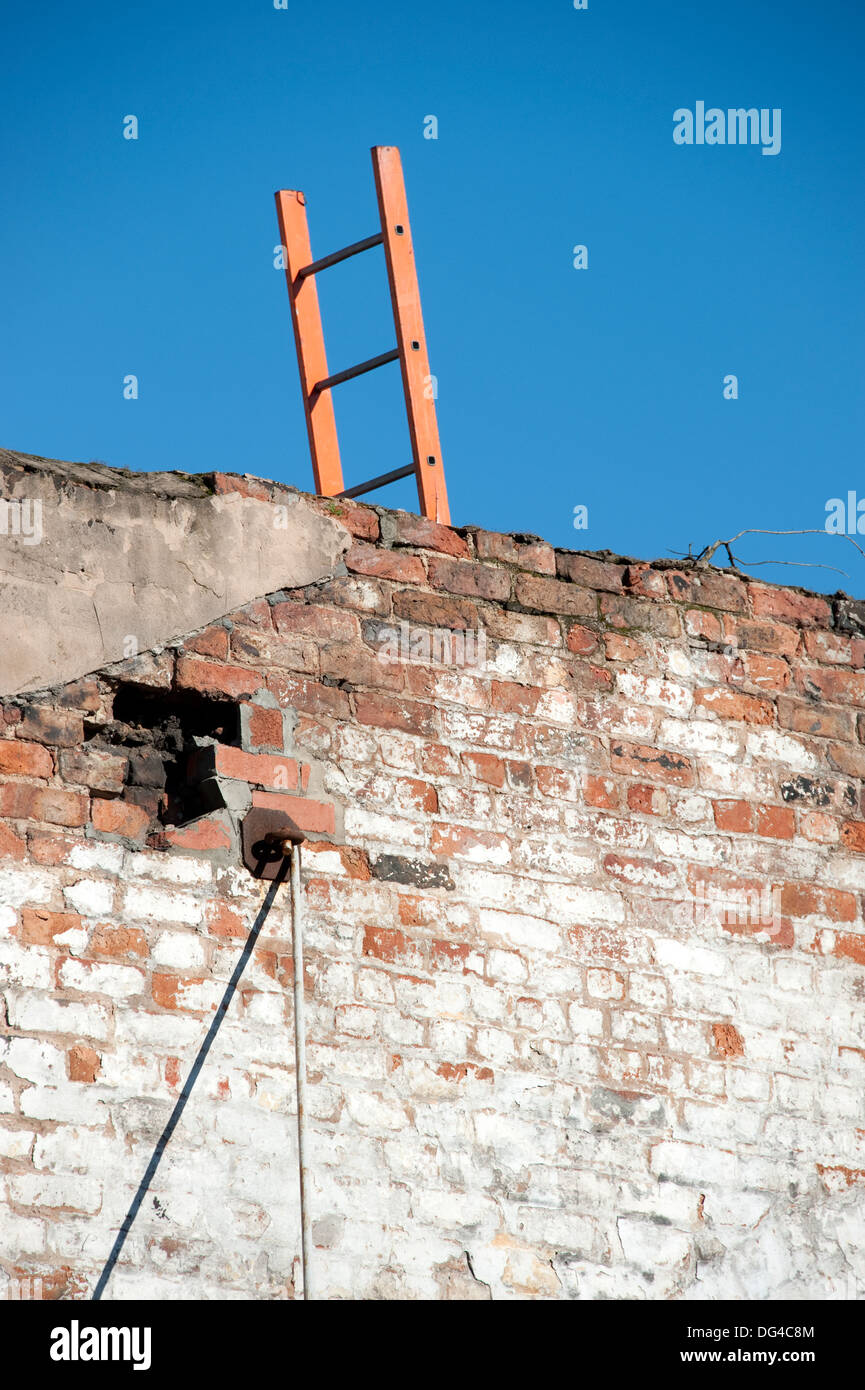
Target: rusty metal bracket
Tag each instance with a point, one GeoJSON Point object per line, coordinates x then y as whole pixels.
{"type": "Point", "coordinates": [266, 837]}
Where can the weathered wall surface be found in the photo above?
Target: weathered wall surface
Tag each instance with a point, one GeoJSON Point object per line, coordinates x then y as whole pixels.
{"type": "Point", "coordinates": [586, 954]}
{"type": "Point", "coordinates": [97, 563]}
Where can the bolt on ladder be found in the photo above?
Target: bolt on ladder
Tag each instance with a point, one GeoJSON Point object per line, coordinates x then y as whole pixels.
{"type": "Point", "coordinates": [411, 351]}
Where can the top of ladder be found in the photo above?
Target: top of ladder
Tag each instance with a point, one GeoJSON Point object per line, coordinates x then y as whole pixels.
{"type": "Point", "coordinates": [317, 382]}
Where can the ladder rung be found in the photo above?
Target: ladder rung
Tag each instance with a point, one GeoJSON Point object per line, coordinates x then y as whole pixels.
{"type": "Point", "coordinates": [380, 481]}
{"type": "Point", "coordinates": [350, 372]}
{"type": "Point", "coordinates": [342, 255]}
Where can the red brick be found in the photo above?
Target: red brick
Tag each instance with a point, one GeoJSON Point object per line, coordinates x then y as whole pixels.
{"type": "Point", "coordinates": [20, 801]}
{"type": "Point", "coordinates": [265, 727]}
{"type": "Point", "coordinates": [121, 818]}
{"type": "Point", "coordinates": [533, 555]}
{"type": "Point", "coordinates": [83, 1063]}
{"type": "Point", "coordinates": [359, 666]}
{"type": "Point", "coordinates": [554, 596]}
{"type": "Point", "coordinates": [39, 927]}
{"type": "Point", "coordinates": [618, 648]}
{"type": "Point", "coordinates": [168, 990]}
{"type": "Point", "coordinates": [117, 942]}
{"type": "Point", "coordinates": [385, 944]}
{"type": "Point", "coordinates": [485, 767]}
{"type": "Point", "coordinates": [588, 571]}
{"type": "Point", "coordinates": [775, 638]}
{"type": "Point", "coordinates": [223, 921]}
{"type": "Point", "coordinates": [508, 626]}
{"type": "Point", "coordinates": [57, 726]}
{"type": "Point", "coordinates": [581, 640]}
{"type": "Point", "coordinates": [853, 835]}
{"type": "Point", "coordinates": [313, 817]}
{"type": "Point", "coordinates": [208, 832]}
{"type": "Point", "coordinates": [699, 623]}
{"type": "Point", "coordinates": [208, 676]}
{"type": "Point", "coordinates": [259, 769]}
{"type": "Point", "coordinates": [555, 782]}
{"type": "Point", "coordinates": [439, 761]}
{"type": "Point", "coordinates": [652, 801]}
{"type": "Point", "coordinates": [638, 760]}
{"type": "Point", "coordinates": [622, 611]}
{"type": "Point", "coordinates": [790, 607]}
{"type": "Point", "coordinates": [727, 1040]}
{"type": "Point", "coordinates": [316, 620]}
{"type": "Point", "coordinates": [470, 580]}
{"type": "Point", "coordinates": [833, 647]}
{"type": "Point", "coordinates": [429, 535]}
{"type": "Point", "coordinates": [806, 718]}
{"type": "Point", "coordinates": [838, 687]}
{"type": "Point", "coordinates": [806, 900]}
{"type": "Point", "coordinates": [850, 947]}
{"type": "Point", "coordinates": [819, 828]}
{"type": "Point", "coordinates": [768, 672]}
{"type": "Point", "coordinates": [245, 484]}
{"type": "Point", "coordinates": [11, 845]}
{"type": "Point", "coordinates": [94, 768]}
{"type": "Point", "coordinates": [385, 713]}
{"type": "Point", "coordinates": [776, 822]}
{"type": "Point", "coordinates": [213, 641]}
{"type": "Point", "coordinates": [386, 564]}
{"type": "Point", "coordinates": [296, 692]}
{"type": "Point", "coordinates": [642, 579]}
{"type": "Point", "coordinates": [602, 792]}
{"type": "Point", "coordinates": [728, 704]}
{"type": "Point", "coordinates": [462, 842]}
{"type": "Point", "coordinates": [510, 698]}
{"type": "Point", "coordinates": [22, 759]}
{"type": "Point", "coordinates": [709, 589]}
{"type": "Point", "coordinates": [635, 872]}
{"type": "Point", "coordinates": [735, 816]}
{"type": "Point", "coordinates": [432, 610]}
{"type": "Point", "coordinates": [358, 519]}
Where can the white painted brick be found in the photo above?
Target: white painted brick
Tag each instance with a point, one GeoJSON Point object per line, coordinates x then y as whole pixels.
{"type": "Point", "coordinates": [585, 1023]}
{"type": "Point", "coordinates": [90, 896]}
{"type": "Point", "coordinates": [179, 950]}
{"type": "Point", "coordinates": [649, 690]}
{"type": "Point", "coordinates": [394, 833]}
{"type": "Point", "coordinates": [32, 1014]}
{"type": "Point", "coordinates": [170, 868]}
{"type": "Point", "coordinates": [16, 1143]}
{"type": "Point", "coordinates": [22, 1235]}
{"type": "Point", "coordinates": [118, 981]}
{"type": "Point", "coordinates": [33, 1060]}
{"type": "Point", "coordinates": [568, 903]}
{"type": "Point", "coordinates": [97, 854]}
{"type": "Point", "coordinates": [528, 932]}
{"type": "Point", "coordinates": [507, 965]}
{"type": "Point", "coordinates": [374, 1111]}
{"type": "Point", "coordinates": [7, 1099]}
{"type": "Point", "coordinates": [144, 903]}
{"type": "Point", "coordinates": [703, 737]}
{"type": "Point", "coordinates": [27, 966]}
{"type": "Point", "coordinates": [604, 984]}
{"type": "Point", "coordinates": [651, 1246]}
{"type": "Point", "coordinates": [781, 748]}
{"type": "Point", "coordinates": [679, 956]}
{"type": "Point", "coordinates": [25, 887]}
{"type": "Point", "coordinates": [52, 1190]}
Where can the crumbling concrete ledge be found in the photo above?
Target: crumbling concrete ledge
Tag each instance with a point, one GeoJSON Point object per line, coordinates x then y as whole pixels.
{"type": "Point", "coordinates": [99, 563]}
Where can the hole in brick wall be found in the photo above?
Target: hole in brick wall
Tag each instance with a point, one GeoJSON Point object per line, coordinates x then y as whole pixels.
{"type": "Point", "coordinates": [158, 731]}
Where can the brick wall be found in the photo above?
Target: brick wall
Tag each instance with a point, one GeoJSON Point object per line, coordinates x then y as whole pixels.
{"type": "Point", "coordinates": [585, 948]}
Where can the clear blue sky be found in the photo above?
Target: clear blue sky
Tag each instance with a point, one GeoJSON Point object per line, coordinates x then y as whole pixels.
{"type": "Point", "coordinates": [557, 386]}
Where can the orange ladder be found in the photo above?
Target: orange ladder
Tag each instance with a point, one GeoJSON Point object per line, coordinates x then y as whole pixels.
{"type": "Point", "coordinates": [317, 384]}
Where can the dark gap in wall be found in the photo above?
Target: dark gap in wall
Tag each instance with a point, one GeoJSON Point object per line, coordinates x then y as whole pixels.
{"type": "Point", "coordinates": [159, 730]}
